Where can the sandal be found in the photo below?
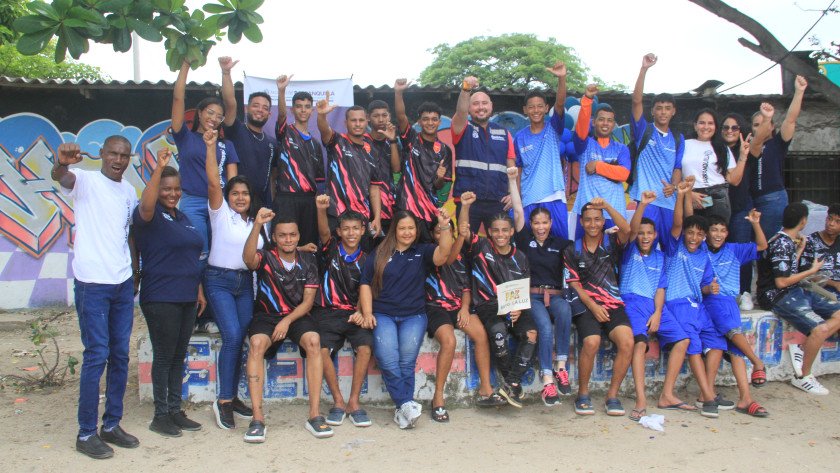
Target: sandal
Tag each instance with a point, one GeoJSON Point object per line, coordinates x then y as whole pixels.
{"type": "Point", "coordinates": [439, 414]}
{"type": "Point", "coordinates": [758, 377]}
{"type": "Point", "coordinates": [754, 409]}
{"type": "Point", "coordinates": [637, 414]}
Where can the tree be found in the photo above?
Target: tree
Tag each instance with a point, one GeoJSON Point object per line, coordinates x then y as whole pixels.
{"type": "Point", "coordinates": [43, 65]}
{"type": "Point", "coordinates": [189, 35]}
{"type": "Point", "coordinates": [770, 47]}
{"type": "Point", "coordinates": [509, 60]}
{"type": "Point", "coordinates": [10, 10]}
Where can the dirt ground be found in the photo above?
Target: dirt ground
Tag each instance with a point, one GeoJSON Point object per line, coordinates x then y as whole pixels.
{"type": "Point", "coordinates": [37, 432]}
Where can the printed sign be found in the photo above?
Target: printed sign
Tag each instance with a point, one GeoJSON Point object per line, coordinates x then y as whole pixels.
{"type": "Point", "coordinates": [514, 295]}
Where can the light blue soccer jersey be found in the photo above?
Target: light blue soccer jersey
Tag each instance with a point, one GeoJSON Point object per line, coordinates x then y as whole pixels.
{"type": "Point", "coordinates": [539, 157]}
{"type": "Point", "coordinates": [727, 262]}
{"type": "Point", "coordinates": [642, 274]}
{"type": "Point", "coordinates": [656, 162]}
{"type": "Point", "coordinates": [686, 272]}
{"type": "Point", "coordinates": [595, 185]}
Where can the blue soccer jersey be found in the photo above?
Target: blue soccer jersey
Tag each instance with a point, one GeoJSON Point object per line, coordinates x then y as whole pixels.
{"type": "Point", "coordinates": [656, 162]}
{"type": "Point", "coordinates": [686, 272]}
{"type": "Point", "coordinates": [539, 157]}
{"type": "Point", "coordinates": [642, 274]}
{"type": "Point", "coordinates": [727, 262]}
{"type": "Point", "coordinates": [596, 185]}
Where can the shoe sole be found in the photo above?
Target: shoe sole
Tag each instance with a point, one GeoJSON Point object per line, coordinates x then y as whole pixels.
{"type": "Point", "coordinates": [218, 417]}
{"type": "Point", "coordinates": [699, 405]}
{"type": "Point", "coordinates": [121, 445]}
{"type": "Point", "coordinates": [584, 412]}
{"type": "Point", "coordinates": [165, 434]}
{"type": "Point", "coordinates": [811, 391]}
{"type": "Point", "coordinates": [336, 422]}
{"type": "Point", "coordinates": [190, 429]}
{"type": "Point", "coordinates": [510, 400]}
{"type": "Point", "coordinates": [710, 415]}
{"type": "Point", "coordinates": [95, 456]}
{"type": "Point", "coordinates": [366, 423]}
{"type": "Point", "coordinates": [551, 403]}
{"type": "Point", "coordinates": [614, 413]}
{"type": "Point", "coordinates": [316, 434]}
{"type": "Point", "coordinates": [243, 416]}
{"type": "Point", "coordinates": [261, 439]}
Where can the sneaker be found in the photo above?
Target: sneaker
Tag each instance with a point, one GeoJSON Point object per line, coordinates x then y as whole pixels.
{"type": "Point", "coordinates": [118, 437]}
{"type": "Point", "coordinates": [255, 432]}
{"type": "Point", "coordinates": [613, 407]}
{"type": "Point", "coordinates": [240, 409]}
{"type": "Point", "coordinates": [318, 427]}
{"type": "Point", "coordinates": [94, 447]}
{"type": "Point", "coordinates": [583, 406]}
{"type": "Point", "coordinates": [207, 327]}
{"type": "Point", "coordinates": [493, 400]}
{"type": "Point", "coordinates": [412, 411]}
{"type": "Point", "coordinates": [360, 418]}
{"type": "Point", "coordinates": [224, 415]}
{"type": "Point", "coordinates": [563, 385]}
{"type": "Point", "coordinates": [549, 395]}
{"type": "Point", "coordinates": [401, 420]}
{"type": "Point", "coordinates": [165, 425]}
{"type": "Point", "coordinates": [796, 357]}
{"type": "Point", "coordinates": [709, 409]}
{"type": "Point", "coordinates": [336, 416]}
{"type": "Point", "coordinates": [810, 385]}
{"type": "Point", "coordinates": [180, 419]}
{"type": "Point", "coordinates": [746, 302]}
{"type": "Point", "coordinates": [722, 403]}
{"type": "Point", "coordinates": [508, 392]}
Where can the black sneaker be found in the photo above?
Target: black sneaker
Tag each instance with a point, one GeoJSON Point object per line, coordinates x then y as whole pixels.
{"type": "Point", "coordinates": [709, 409]}
{"type": "Point", "coordinates": [119, 437]}
{"type": "Point", "coordinates": [255, 432]}
{"type": "Point", "coordinates": [94, 447]}
{"type": "Point", "coordinates": [165, 426]}
{"type": "Point", "coordinates": [508, 392]}
{"type": "Point", "coordinates": [493, 400]}
{"type": "Point", "coordinates": [180, 419]}
{"type": "Point", "coordinates": [240, 409]}
{"type": "Point", "coordinates": [224, 415]}
{"type": "Point", "coordinates": [318, 427]}
{"type": "Point", "coordinates": [562, 379]}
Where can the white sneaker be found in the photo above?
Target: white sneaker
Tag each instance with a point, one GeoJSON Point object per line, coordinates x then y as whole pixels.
{"type": "Point", "coordinates": [746, 302]}
{"type": "Point", "coordinates": [796, 357]}
{"type": "Point", "coordinates": [400, 419]}
{"type": "Point", "coordinates": [411, 412]}
{"type": "Point", "coordinates": [810, 385]}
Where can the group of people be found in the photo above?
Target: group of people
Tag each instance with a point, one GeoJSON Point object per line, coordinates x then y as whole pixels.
{"type": "Point", "coordinates": [241, 231]}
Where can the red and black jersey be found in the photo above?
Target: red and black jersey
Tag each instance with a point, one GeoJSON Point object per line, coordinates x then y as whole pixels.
{"type": "Point", "coordinates": [445, 285]}
{"type": "Point", "coordinates": [381, 152]}
{"type": "Point", "coordinates": [416, 190]}
{"type": "Point", "coordinates": [352, 170]}
{"type": "Point", "coordinates": [489, 269]}
{"type": "Point", "coordinates": [301, 162]}
{"type": "Point", "coordinates": [340, 275]}
{"type": "Point", "coordinates": [280, 290]}
{"type": "Point", "coordinates": [597, 272]}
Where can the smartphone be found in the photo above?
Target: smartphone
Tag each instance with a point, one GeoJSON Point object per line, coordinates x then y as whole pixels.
{"type": "Point", "coordinates": [706, 202]}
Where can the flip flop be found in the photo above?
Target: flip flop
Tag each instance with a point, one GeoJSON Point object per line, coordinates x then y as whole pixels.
{"type": "Point", "coordinates": [439, 414]}
{"type": "Point", "coordinates": [680, 406]}
{"type": "Point", "coordinates": [754, 409]}
{"type": "Point", "coordinates": [758, 378]}
{"type": "Point", "coordinates": [637, 414]}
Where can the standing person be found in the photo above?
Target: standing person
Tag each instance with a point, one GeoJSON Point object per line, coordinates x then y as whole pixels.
{"type": "Point", "coordinates": [712, 164]}
{"type": "Point", "coordinates": [300, 166]}
{"type": "Point", "coordinates": [392, 301]}
{"type": "Point", "coordinates": [426, 164]}
{"type": "Point", "coordinates": [604, 163]}
{"type": "Point", "coordinates": [256, 150]}
{"type": "Point", "coordinates": [228, 283]}
{"type": "Point", "coordinates": [592, 272]}
{"type": "Point", "coordinates": [740, 230]}
{"type": "Point", "coordinates": [482, 151]}
{"type": "Point", "coordinates": [825, 246]}
{"type": "Point", "coordinates": [103, 285]}
{"type": "Point", "coordinates": [288, 283]}
{"type": "Point", "coordinates": [767, 183]}
{"type": "Point", "coordinates": [385, 150]}
{"type": "Point", "coordinates": [658, 152]}
{"type": "Point", "coordinates": [170, 290]}
{"type": "Point", "coordinates": [448, 298]}
{"type": "Point", "coordinates": [544, 252]}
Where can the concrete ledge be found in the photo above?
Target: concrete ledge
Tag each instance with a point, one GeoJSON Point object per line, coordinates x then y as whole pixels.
{"type": "Point", "coordinates": [286, 382]}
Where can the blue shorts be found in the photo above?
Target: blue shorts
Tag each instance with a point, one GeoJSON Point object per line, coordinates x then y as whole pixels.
{"type": "Point", "coordinates": [724, 313]}
{"type": "Point", "coordinates": [639, 310]}
{"type": "Point", "coordinates": [663, 219]}
{"type": "Point", "coordinates": [804, 309]}
{"type": "Point", "coordinates": [692, 317]}
{"type": "Point", "coordinates": [559, 216]}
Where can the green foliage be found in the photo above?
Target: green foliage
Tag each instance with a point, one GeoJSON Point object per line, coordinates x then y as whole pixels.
{"type": "Point", "coordinates": [50, 373]}
{"type": "Point", "coordinates": [509, 60]}
{"type": "Point", "coordinates": [188, 35]}
{"type": "Point", "coordinates": [43, 65]}
{"type": "Point", "coordinates": [10, 10]}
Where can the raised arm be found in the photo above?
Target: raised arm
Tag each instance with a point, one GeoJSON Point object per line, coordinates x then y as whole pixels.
{"type": "Point", "coordinates": [211, 167]}
{"type": "Point", "coordinates": [462, 108]}
{"type": "Point", "coordinates": [68, 153]}
{"type": "Point", "coordinates": [559, 71]}
{"type": "Point", "coordinates": [228, 95]}
{"type": "Point", "coordinates": [178, 94]}
{"type": "Point", "coordinates": [322, 202]}
{"type": "Point", "coordinates": [754, 218]}
{"type": "Point", "coordinates": [683, 195]}
{"type": "Point", "coordinates": [249, 252]}
{"type": "Point", "coordinates": [735, 176]}
{"type": "Point", "coordinates": [444, 247]}
{"type": "Point", "coordinates": [515, 199]}
{"type": "Point", "coordinates": [585, 114]}
{"type": "Point", "coordinates": [282, 83]}
{"type": "Point", "coordinates": [789, 123]}
{"type": "Point", "coordinates": [616, 216]}
{"type": "Point", "coordinates": [638, 107]}
{"type": "Point", "coordinates": [764, 130]}
{"type": "Point", "coordinates": [648, 197]}
{"type": "Point", "coordinates": [467, 199]}
{"type": "Point", "coordinates": [399, 105]}
{"type": "Point", "coordinates": [148, 199]}
{"type": "Point", "coordinates": [324, 108]}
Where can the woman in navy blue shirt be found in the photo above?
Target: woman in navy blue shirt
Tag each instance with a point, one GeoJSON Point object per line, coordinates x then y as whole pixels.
{"type": "Point", "coordinates": [392, 300]}
{"type": "Point", "coordinates": [170, 290]}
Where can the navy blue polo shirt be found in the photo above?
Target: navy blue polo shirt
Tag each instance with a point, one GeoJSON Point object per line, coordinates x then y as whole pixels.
{"type": "Point", "coordinates": [192, 154]}
{"type": "Point", "coordinates": [257, 153]}
{"type": "Point", "coordinates": [403, 291]}
{"type": "Point", "coordinates": [546, 260]}
{"type": "Point", "coordinates": [767, 172]}
{"type": "Point", "coordinates": [169, 249]}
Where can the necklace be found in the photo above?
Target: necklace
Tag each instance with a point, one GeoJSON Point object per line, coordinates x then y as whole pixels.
{"type": "Point", "coordinates": [261, 137]}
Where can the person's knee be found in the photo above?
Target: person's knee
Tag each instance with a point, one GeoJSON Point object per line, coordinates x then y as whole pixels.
{"type": "Point", "coordinates": [445, 337]}
{"type": "Point", "coordinates": [590, 345]}
{"type": "Point", "coordinates": [821, 332]}
{"type": "Point", "coordinates": [531, 336]}
{"type": "Point", "coordinates": [498, 338]}
{"type": "Point", "coordinates": [258, 346]}
{"type": "Point", "coordinates": [311, 343]}
{"type": "Point", "coordinates": [363, 350]}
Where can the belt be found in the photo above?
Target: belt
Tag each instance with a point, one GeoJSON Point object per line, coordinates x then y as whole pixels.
{"type": "Point", "coordinates": [545, 290]}
{"type": "Point", "coordinates": [229, 270]}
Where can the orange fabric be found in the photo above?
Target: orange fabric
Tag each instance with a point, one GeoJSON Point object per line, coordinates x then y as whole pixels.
{"type": "Point", "coordinates": [584, 116]}
{"type": "Point", "coordinates": [511, 154]}
{"type": "Point", "coordinates": [613, 172]}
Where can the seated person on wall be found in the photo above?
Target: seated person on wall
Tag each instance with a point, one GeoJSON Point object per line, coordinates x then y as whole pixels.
{"type": "Point", "coordinates": [824, 245]}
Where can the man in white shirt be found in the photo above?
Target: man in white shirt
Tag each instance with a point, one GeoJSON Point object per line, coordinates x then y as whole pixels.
{"type": "Point", "coordinates": [104, 286]}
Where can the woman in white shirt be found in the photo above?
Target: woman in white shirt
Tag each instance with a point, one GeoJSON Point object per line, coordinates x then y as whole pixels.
{"type": "Point", "coordinates": [228, 284]}
{"type": "Point", "coordinates": [709, 160]}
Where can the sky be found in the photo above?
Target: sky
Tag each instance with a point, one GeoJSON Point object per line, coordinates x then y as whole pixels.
{"type": "Point", "coordinates": [377, 42]}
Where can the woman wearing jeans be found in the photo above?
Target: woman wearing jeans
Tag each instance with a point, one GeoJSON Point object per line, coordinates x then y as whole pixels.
{"type": "Point", "coordinates": [227, 281]}
{"type": "Point", "coordinates": [392, 300]}
{"type": "Point", "coordinates": [170, 290]}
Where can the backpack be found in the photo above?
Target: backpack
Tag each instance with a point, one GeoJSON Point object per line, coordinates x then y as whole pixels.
{"type": "Point", "coordinates": [636, 152]}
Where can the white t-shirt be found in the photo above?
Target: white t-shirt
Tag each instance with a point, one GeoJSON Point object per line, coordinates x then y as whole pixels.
{"type": "Point", "coordinates": [699, 160]}
{"type": "Point", "coordinates": [229, 233]}
{"type": "Point", "coordinates": [102, 209]}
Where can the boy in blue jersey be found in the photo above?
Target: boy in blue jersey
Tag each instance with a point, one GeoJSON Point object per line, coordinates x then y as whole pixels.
{"type": "Point", "coordinates": [659, 160]}
{"type": "Point", "coordinates": [604, 163]}
{"type": "Point", "coordinates": [689, 274]}
{"type": "Point", "coordinates": [539, 149]}
{"type": "Point", "coordinates": [642, 287]}
{"type": "Point", "coordinates": [727, 259]}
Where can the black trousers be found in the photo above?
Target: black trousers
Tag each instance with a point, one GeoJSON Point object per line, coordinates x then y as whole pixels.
{"type": "Point", "coordinates": [170, 327]}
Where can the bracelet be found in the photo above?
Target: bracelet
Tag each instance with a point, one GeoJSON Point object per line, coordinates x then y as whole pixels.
{"type": "Point", "coordinates": [444, 228]}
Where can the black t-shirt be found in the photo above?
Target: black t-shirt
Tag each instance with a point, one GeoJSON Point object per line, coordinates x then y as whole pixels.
{"type": "Point", "coordinates": [301, 162]}
{"type": "Point", "coordinates": [546, 260]}
{"type": "Point", "coordinates": [777, 261]}
{"type": "Point", "coordinates": [446, 284]}
{"type": "Point", "coordinates": [381, 152]}
{"type": "Point", "coordinates": [489, 269]}
{"type": "Point", "coordinates": [597, 272]}
{"type": "Point", "coordinates": [340, 276]}
{"type": "Point", "coordinates": [767, 172]}
{"type": "Point", "coordinates": [416, 189]}
{"type": "Point", "coordinates": [280, 290]}
{"type": "Point", "coordinates": [352, 170]}
{"type": "Point", "coordinates": [257, 152]}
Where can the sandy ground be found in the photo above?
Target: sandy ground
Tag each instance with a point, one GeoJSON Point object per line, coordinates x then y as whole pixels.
{"type": "Point", "coordinates": [38, 429]}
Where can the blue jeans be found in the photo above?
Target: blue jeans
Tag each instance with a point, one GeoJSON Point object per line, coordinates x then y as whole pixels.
{"type": "Point", "coordinates": [771, 206]}
{"type": "Point", "coordinates": [195, 208]}
{"type": "Point", "coordinates": [804, 309]}
{"type": "Point", "coordinates": [560, 311]}
{"type": "Point", "coordinates": [740, 231]}
{"type": "Point", "coordinates": [106, 315]}
{"type": "Point", "coordinates": [231, 295]}
{"type": "Point", "coordinates": [396, 343]}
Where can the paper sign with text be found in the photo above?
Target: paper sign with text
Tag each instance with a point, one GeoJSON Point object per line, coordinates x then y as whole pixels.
{"type": "Point", "coordinates": [514, 295]}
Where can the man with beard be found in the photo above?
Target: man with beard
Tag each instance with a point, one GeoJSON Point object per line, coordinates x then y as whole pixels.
{"type": "Point", "coordinates": [386, 153]}
{"type": "Point", "coordinates": [256, 149]}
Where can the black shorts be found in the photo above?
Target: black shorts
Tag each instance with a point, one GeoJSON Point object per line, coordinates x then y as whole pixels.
{"type": "Point", "coordinates": [299, 206]}
{"type": "Point", "coordinates": [264, 324]}
{"type": "Point", "coordinates": [587, 324]}
{"type": "Point", "coordinates": [438, 317]}
{"type": "Point", "coordinates": [488, 316]}
{"type": "Point", "coordinates": [334, 328]}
